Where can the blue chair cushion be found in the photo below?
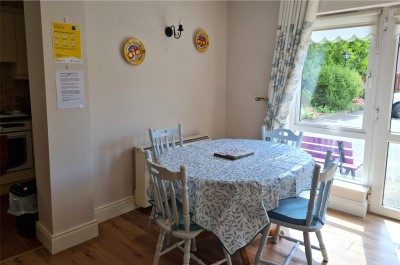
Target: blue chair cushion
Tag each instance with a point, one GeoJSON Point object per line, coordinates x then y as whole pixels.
{"type": "Point", "coordinates": [291, 210]}
{"type": "Point", "coordinates": [193, 225]}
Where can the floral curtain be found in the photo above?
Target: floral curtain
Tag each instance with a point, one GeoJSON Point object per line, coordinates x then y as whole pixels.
{"type": "Point", "coordinates": [293, 38]}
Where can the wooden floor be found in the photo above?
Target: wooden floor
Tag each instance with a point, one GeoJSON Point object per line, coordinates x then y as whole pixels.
{"type": "Point", "coordinates": [127, 239]}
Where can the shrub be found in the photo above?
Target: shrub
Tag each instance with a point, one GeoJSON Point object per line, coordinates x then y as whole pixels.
{"type": "Point", "coordinates": [337, 87]}
{"type": "Point", "coordinates": [308, 113]}
{"type": "Point", "coordinates": [306, 96]}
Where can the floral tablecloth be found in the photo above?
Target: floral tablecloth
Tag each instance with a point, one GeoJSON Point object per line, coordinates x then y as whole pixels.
{"type": "Point", "coordinates": [231, 197]}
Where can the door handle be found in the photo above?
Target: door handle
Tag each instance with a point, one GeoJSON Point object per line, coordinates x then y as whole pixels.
{"type": "Point", "coordinates": [261, 99]}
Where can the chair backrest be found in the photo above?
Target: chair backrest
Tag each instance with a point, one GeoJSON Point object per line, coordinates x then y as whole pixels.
{"type": "Point", "coordinates": [319, 193]}
{"type": "Point", "coordinates": [164, 139]}
{"type": "Point", "coordinates": [281, 135]}
{"type": "Point", "coordinates": [164, 183]}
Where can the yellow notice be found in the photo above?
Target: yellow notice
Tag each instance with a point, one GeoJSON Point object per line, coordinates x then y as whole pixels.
{"type": "Point", "coordinates": [66, 43]}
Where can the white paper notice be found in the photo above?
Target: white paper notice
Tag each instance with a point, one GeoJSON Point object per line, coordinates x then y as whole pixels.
{"type": "Point", "coordinates": [70, 91]}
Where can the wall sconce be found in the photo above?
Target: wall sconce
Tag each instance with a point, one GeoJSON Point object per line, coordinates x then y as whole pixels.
{"type": "Point", "coordinates": [169, 31]}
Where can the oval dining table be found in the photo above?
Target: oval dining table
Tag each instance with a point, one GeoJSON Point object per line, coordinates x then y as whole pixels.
{"type": "Point", "coordinates": [231, 198]}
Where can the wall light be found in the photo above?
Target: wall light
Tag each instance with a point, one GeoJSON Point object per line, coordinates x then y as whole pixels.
{"type": "Point", "coordinates": [169, 31]}
{"type": "Point", "coordinates": [346, 56]}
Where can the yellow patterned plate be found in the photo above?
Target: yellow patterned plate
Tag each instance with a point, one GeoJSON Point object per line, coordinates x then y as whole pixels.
{"type": "Point", "coordinates": [134, 51]}
{"type": "Point", "coordinates": [201, 40]}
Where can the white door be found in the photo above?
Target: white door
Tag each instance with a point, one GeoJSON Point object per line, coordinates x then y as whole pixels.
{"type": "Point", "coordinates": [385, 166]}
{"type": "Point", "coordinates": [375, 130]}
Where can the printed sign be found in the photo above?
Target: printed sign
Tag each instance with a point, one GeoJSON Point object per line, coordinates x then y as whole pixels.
{"type": "Point", "coordinates": [70, 91]}
{"type": "Point", "coordinates": [66, 43]}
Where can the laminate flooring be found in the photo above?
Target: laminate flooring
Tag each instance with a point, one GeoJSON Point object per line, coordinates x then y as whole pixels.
{"type": "Point", "coordinates": [127, 239]}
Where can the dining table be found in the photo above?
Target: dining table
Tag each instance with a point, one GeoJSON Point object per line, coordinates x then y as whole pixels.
{"type": "Point", "coordinates": [231, 195]}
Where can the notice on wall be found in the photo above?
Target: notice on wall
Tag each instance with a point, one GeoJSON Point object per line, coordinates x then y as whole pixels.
{"type": "Point", "coordinates": [70, 90]}
{"type": "Point", "coordinates": [66, 43]}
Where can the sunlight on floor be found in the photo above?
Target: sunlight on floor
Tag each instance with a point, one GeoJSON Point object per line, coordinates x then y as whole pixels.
{"type": "Point", "coordinates": [395, 237]}
{"type": "Point", "coordinates": [346, 224]}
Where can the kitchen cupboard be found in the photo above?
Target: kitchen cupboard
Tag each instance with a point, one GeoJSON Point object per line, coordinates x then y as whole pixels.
{"type": "Point", "coordinates": [13, 43]}
{"type": "Point", "coordinates": [8, 49]}
{"type": "Point", "coordinates": [21, 67]}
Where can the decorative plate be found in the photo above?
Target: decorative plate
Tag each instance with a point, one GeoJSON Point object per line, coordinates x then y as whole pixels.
{"type": "Point", "coordinates": [134, 51]}
{"type": "Point", "coordinates": [201, 40]}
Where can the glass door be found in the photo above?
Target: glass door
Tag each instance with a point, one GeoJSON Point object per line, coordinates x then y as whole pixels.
{"type": "Point", "coordinates": [350, 93]}
{"type": "Point", "coordinates": [385, 166]}
{"type": "Point", "coordinates": [336, 100]}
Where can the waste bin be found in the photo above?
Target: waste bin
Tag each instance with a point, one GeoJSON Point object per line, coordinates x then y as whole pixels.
{"type": "Point", "coordinates": [23, 204]}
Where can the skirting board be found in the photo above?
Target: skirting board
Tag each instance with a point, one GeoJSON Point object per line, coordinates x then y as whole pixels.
{"type": "Point", "coordinates": [348, 206]}
{"type": "Point", "coordinates": [72, 237]}
{"type": "Point", "coordinates": [84, 232]}
{"type": "Point", "coordinates": [114, 209]}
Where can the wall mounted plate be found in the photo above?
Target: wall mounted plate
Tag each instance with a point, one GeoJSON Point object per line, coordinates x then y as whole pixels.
{"type": "Point", "coordinates": [201, 40]}
{"type": "Point", "coordinates": [134, 51]}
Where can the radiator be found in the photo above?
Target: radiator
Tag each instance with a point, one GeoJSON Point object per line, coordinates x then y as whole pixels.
{"type": "Point", "coordinates": [141, 176]}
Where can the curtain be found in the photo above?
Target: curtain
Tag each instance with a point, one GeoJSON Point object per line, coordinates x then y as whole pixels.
{"type": "Point", "coordinates": [293, 38]}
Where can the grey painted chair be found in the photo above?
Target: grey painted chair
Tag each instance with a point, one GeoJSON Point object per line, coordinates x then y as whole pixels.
{"type": "Point", "coordinates": [280, 135]}
{"type": "Point", "coordinates": [173, 216]}
{"type": "Point", "coordinates": [164, 139]}
{"type": "Point", "coordinates": [303, 214]}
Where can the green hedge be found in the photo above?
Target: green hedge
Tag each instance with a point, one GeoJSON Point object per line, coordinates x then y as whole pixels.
{"type": "Point", "coordinates": [336, 89]}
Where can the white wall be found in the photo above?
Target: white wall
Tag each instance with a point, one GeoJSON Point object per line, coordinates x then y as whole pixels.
{"type": "Point", "coordinates": [39, 109]}
{"type": "Point", "coordinates": [62, 138]}
{"type": "Point", "coordinates": [251, 44]}
{"type": "Point", "coordinates": [175, 83]}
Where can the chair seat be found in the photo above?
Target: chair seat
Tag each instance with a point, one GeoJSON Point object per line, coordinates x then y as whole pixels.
{"type": "Point", "coordinates": [291, 210]}
{"type": "Point", "coordinates": [193, 226]}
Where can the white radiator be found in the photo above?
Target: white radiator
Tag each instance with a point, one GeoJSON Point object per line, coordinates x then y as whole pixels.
{"type": "Point", "coordinates": [141, 177]}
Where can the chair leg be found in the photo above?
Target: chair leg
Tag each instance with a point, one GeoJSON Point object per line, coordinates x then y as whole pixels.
{"type": "Point", "coordinates": [152, 215]}
{"type": "Point", "coordinates": [322, 245]}
{"type": "Point", "coordinates": [261, 246]}
{"type": "Point", "coordinates": [193, 245]}
{"type": "Point", "coordinates": [159, 247]}
{"type": "Point", "coordinates": [186, 253]}
{"type": "Point", "coordinates": [307, 247]}
{"type": "Point", "coordinates": [227, 256]}
{"type": "Point", "coordinates": [276, 235]}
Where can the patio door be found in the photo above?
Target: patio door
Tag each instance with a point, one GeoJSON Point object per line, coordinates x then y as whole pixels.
{"type": "Point", "coordinates": [362, 46]}
{"type": "Point", "coordinates": [385, 166]}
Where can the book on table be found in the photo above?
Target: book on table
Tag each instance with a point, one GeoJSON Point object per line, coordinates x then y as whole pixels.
{"type": "Point", "coordinates": [233, 154]}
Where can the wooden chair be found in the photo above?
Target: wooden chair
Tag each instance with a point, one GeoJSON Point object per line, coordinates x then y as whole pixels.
{"type": "Point", "coordinates": [161, 141]}
{"type": "Point", "coordinates": [280, 135]}
{"type": "Point", "coordinates": [164, 139]}
{"type": "Point", "coordinates": [303, 214]}
{"type": "Point", "coordinates": [173, 216]}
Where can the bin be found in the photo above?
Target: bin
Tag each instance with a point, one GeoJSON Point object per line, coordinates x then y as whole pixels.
{"type": "Point", "coordinates": [23, 204]}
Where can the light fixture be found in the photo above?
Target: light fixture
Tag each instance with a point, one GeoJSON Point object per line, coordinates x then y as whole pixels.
{"type": "Point", "coordinates": [346, 56]}
{"type": "Point", "coordinates": [169, 31]}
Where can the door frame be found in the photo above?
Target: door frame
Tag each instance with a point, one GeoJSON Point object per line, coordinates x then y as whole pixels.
{"type": "Point", "coordinates": [381, 128]}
